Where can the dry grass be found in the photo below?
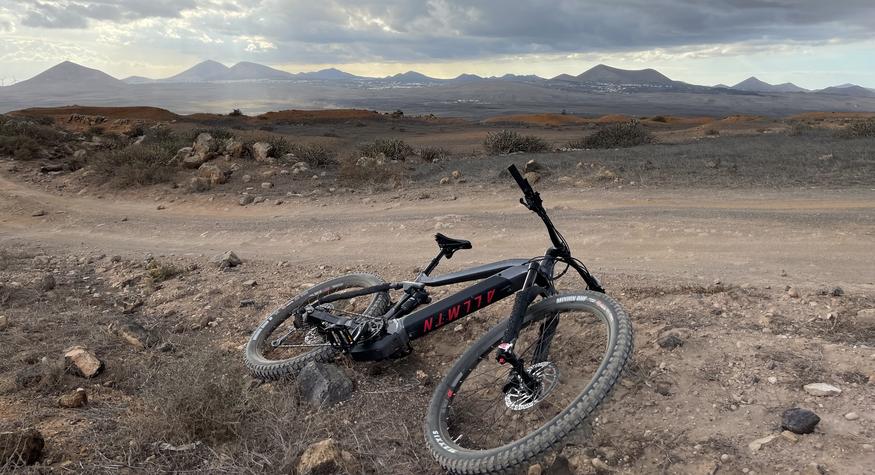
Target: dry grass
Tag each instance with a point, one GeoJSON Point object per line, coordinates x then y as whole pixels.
{"type": "Point", "coordinates": [621, 135]}
{"type": "Point", "coordinates": [134, 165]}
{"type": "Point", "coordinates": [391, 149]}
{"type": "Point", "coordinates": [508, 141]}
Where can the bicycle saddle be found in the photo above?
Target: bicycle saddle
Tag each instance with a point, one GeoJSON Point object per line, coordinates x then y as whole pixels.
{"type": "Point", "coordinates": [450, 245]}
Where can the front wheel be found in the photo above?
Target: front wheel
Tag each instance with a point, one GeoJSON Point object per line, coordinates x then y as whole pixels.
{"type": "Point", "coordinates": [483, 420]}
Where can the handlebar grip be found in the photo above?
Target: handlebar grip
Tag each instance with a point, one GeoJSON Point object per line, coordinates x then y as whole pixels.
{"type": "Point", "coordinates": [522, 182]}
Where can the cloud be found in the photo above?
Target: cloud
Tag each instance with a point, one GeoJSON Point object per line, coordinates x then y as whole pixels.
{"type": "Point", "coordinates": [75, 14]}
{"type": "Point", "coordinates": [343, 31]}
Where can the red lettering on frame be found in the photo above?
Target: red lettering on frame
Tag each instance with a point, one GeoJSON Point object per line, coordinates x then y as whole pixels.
{"type": "Point", "coordinates": [427, 325]}
{"type": "Point", "coordinates": [489, 296]}
{"type": "Point", "coordinates": [453, 313]}
{"type": "Point", "coordinates": [468, 306]}
{"type": "Point", "coordinates": [479, 300]}
{"type": "Point", "coordinates": [440, 319]}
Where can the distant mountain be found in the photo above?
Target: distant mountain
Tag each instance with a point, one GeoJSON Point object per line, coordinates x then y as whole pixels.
{"type": "Point", "coordinates": [564, 77]}
{"type": "Point", "coordinates": [752, 84]}
{"type": "Point", "coordinates": [516, 77]}
{"type": "Point", "coordinates": [70, 77]}
{"type": "Point", "coordinates": [246, 71]}
{"type": "Point", "coordinates": [202, 72]}
{"type": "Point", "coordinates": [137, 80]}
{"type": "Point", "coordinates": [721, 86]}
{"type": "Point", "coordinates": [330, 74]}
{"type": "Point", "coordinates": [411, 77]}
{"type": "Point", "coordinates": [608, 75]}
{"type": "Point", "coordinates": [851, 90]}
{"type": "Point", "coordinates": [467, 77]}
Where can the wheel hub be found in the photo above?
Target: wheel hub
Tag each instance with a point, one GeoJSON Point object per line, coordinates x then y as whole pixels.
{"type": "Point", "coordinates": [519, 397]}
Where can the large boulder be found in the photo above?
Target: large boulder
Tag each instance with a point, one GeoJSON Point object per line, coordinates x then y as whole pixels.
{"type": "Point", "coordinates": [20, 447]}
{"type": "Point", "coordinates": [234, 148]}
{"type": "Point", "coordinates": [323, 384]}
{"type": "Point", "coordinates": [215, 174]}
{"type": "Point", "coordinates": [261, 151]}
{"type": "Point", "coordinates": [204, 145]}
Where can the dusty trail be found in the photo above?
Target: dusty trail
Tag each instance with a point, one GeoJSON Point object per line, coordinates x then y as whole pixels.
{"type": "Point", "coordinates": [816, 237]}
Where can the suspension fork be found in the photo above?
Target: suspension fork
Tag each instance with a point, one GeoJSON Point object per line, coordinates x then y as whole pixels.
{"type": "Point", "coordinates": [524, 298]}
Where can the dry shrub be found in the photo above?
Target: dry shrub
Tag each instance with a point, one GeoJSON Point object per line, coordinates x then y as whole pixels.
{"type": "Point", "coordinates": [316, 155]}
{"type": "Point", "coordinates": [620, 135]}
{"type": "Point", "coordinates": [508, 141]}
{"type": "Point", "coordinates": [135, 165]}
{"type": "Point", "coordinates": [21, 147]}
{"type": "Point", "coordinates": [858, 130]}
{"type": "Point", "coordinates": [166, 139]}
{"type": "Point", "coordinates": [392, 149]}
{"type": "Point", "coordinates": [431, 154]}
{"type": "Point", "coordinates": [355, 172]}
{"type": "Point", "coordinates": [712, 132]}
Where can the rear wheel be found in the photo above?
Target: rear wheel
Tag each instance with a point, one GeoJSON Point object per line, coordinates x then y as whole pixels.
{"type": "Point", "coordinates": [482, 419]}
{"type": "Point", "coordinates": [278, 348]}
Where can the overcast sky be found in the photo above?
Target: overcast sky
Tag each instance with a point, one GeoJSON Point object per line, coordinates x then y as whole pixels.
{"type": "Point", "coordinates": [813, 43]}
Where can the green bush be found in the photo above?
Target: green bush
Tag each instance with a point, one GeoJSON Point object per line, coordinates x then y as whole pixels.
{"type": "Point", "coordinates": [621, 135]}
{"type": "Point", "coordinates": [134, 165]}
{"type": "Point", "coordinates": [508, 141]}
{"type": "Point", "coordinates": [858, 130]}
{"type": "Point", "coordinates": [392, 149]}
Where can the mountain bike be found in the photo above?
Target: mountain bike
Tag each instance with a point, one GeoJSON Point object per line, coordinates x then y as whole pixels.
{"type": "Point", "coordinates": [516, 392]}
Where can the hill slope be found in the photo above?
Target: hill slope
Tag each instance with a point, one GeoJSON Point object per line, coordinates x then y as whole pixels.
{"type": "Point", "coordinates": [69, 77]}
{"type": "Point", "coordinates": [607, 74]}
{"type": "Point", "coordinates": [752, 84]}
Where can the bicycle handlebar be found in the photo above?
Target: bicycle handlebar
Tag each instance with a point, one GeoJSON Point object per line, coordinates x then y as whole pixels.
{"type": "Point", "coordinates": [532, 201]}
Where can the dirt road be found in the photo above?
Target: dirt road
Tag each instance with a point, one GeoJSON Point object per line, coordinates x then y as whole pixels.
{"type": "Point", "coordinates": [812, 237]}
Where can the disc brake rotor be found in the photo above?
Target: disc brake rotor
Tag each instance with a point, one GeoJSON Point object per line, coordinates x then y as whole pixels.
{"type": "Point", "coordinates": [519, 397]}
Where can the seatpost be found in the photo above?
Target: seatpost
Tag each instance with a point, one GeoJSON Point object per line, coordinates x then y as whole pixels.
{"type": "Point", "coordinates": [434, 263]}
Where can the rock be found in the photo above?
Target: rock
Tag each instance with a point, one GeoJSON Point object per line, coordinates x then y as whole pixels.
{"type": "Point", "coordinates": [79, 361]}
{"type": "Point", "coordinates": [198, 184]}
{"type": "Point", "coordinates": [56, 167]}
{"type": "Point", "coordinates": [836, 292]}
{"type": "Point", "coordinates": [323, 384]}
{"type": "Point", "coordinates": [267, 185]}
{"type": "Point", "coordinates": [259, 199]}
{"type": "Point", "coordinates": [799, 421]}
{"type": "Point", "coordinates": [165, 347]}
{"type": "Point", "coordinates": [456, 174]}
{"type": "Point", "coordinates": [793, 293]}
{"type": "Point", "coordinates": [422, 376]}
{"type": "Point", "coordinates": [180, 155]}
{"type": "Point", "coordinates": [193, 161]}
{"type": "Point", "coordinates": [330, 236]}
{"type": "Point", "coordinates": [669, 341]}
{"type": "Point", "coordinates": [759, 443]}
{"type": "Point", "coordinates": [38, 213]}
{"type": "Point", "coordinates": [852, 416]}
{"type": "Point", "coordinates": [789, 436]}
{"type": "Point", "coordinates": [532, 177]}
{"type": "Point", "coordinates": [326, 458]}
{"type": "Point", "coordinates": [21, 446]}
{"type": "Point", "coordinates": [261, 151]}
{"type": "Point", "coordinates": [663, 388]}
{"type": "Point", "coordinates": [4, 322]}
{"type": "Point", "coordinates": [214, 173]}
{"type": "Point", "coordinates": [77, 398]}
{"type": "Point", "coordinates": [46, 283]}
{"type": "Point", "coordinates": [80, 154]}
{"type": "Point", "coordinates": [535, 470]}
{"type": "Point", "coordinates": [234, 148]}
{"type": "Point", "coordinates": [247, 178]}
{"type": "Point", "coordinates": [533, 166]}
{"type": "Point", "coordinates": [821, 389]}
{"type": "Point", "coordinates": [445, 181]}
{"type": "Point", "coordinates": [725, 458]}
{"type": "Point", "coordinates": [250, 283]}
{"type": "Point", "coordinates": [813, 468]}
{"type": "Point", "coordinates": [136, 335]}
{"type": "Point", "coordinates": [601, 465]}
{"type": "Point", "coordinates": [228, 259]}
{"type": "Point", "coordinates": [204, 146]}
{"type": "Point", "coordinates": [246, 199]}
